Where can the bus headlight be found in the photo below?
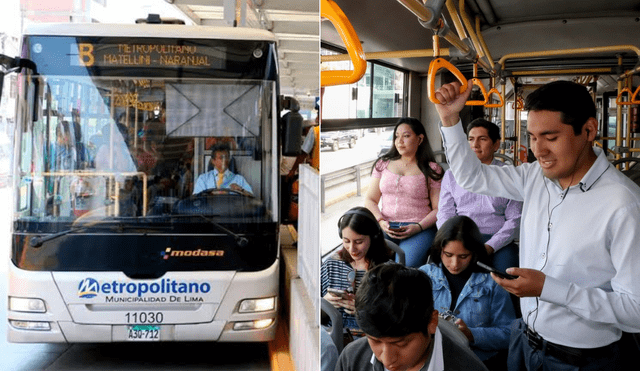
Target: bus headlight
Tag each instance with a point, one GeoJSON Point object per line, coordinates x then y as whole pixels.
{"type": "Point", "coordinates": [30, 325]}
{"type": "Point", "coordinates": [27, 305]}
{"type": "Point", "coordinates": [257, 305]}
{"type": "Point", "coordinates": [253, 325]}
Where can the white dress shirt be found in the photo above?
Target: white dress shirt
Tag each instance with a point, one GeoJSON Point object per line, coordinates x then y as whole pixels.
{"type": "Point", "coordinates": [210, 180]}
{"type": "Point", "coordinates": [586, 239]}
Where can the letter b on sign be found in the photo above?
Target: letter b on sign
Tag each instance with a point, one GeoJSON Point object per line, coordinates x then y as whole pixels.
{"type": "Point", "coordinates": [85, 54]}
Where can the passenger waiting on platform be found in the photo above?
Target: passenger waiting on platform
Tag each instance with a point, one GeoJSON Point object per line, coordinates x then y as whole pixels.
{"type": "Point", "coordinates": [405, 189]}
{"type": "Point", "coordinates": [221, 177]}
{"type": "Point", "coordinates": [113, 153]}
{"type": "Point", "coordinates": [63, 151]}
{"type": "Point", "coordinates": [394, 307]}
{"type": "Point", "coordinates": [579, 257]}
{"type": "Point", "coordinates": [498, 218]}
{"type": "Point", "coordinates": [481, 309]}
{"type": "Point", "coordinates": [363, 247]}
{"type": "Point", "coordinates": [81, 150]}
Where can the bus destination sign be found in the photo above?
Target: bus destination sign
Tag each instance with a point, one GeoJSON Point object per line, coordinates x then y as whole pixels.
{"type": "Point", "coordinates": [141, 55]}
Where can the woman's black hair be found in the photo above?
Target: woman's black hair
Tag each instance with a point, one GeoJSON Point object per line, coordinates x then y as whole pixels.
{"type": "Point", "coordinates": [424, 154]}
{"type": "Point", "coordinates": [362, 221]}
{"type": "Point", "coordinates": [464, 229]}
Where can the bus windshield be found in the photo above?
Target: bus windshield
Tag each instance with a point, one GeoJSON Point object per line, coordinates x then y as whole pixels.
{"type": "Point", "coordinates": [108, 147]}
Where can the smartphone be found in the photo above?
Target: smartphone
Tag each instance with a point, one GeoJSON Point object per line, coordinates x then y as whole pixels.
{"type": "Point", "coordinates": [497, 272]}
{"type": "Point", "coordinates": [337, 292]}
{"type": "Point", "coordinates": [394, 226]}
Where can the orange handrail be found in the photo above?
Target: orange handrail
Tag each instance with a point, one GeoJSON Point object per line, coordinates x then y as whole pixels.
{"type": "Point", "coordinates": [619, 97]}
{"type": "Point", "coordinates": [494, 105]}
{"type": "Point", "coordinates": [518, 103]}
{"type": "Point", "coordinates": [477, 82]}
{"type": "Point", "coordinates": [331, 11]}
{"type": "Point", "coordinates": [634, 97]}
{"type": "Point", "coordinates": [435, 65]}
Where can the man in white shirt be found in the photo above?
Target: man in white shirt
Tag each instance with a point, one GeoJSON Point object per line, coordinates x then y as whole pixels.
{"type": "Point", "coordinates": [221, 177]}
{"type": "Point", "coordinates": [394, 308]}
{"type": "Point", "coordinates": [579, 234]}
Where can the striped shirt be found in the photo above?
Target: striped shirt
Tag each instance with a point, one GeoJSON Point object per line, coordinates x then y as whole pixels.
{"type": "Point", "coordinates": [334, 273]}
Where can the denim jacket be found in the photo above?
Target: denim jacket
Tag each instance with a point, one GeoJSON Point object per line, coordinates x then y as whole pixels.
{"type": "Point", "coordinates": [484, 306]}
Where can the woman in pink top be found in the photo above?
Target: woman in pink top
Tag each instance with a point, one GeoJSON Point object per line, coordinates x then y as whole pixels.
{"type": "Point", "coordinates": [404, 191]}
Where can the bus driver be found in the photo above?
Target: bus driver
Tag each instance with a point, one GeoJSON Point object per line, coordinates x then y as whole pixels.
{"type": "Point", "coordinates": [221, 177]}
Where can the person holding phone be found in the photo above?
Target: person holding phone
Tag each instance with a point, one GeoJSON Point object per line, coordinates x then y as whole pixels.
{"type": "Point", "coordinates": [483, 310]}
{"type": "Point", "coordinates": [363, 247]}
{"type": "Point", "coordinates": [498, 218]}
{"type": "Point", "coordinates": [404, 191]}
{"type": "Point", "coordinates": [579, 257]}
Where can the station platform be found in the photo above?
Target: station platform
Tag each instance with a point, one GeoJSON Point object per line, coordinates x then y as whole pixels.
{"type": "Point", "coordinates": [296, 322]}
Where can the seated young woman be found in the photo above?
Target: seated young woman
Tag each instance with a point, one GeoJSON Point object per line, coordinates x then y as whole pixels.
{"type": "Point", "coordinates": [466, 294]}
{"type": "Point", "coordinates": [363, 247]}
{"type": "Point", "coordinates": [404, 191]}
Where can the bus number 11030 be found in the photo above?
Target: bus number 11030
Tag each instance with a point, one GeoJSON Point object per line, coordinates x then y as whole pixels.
{"type": "Point", "coordinates": [144, 317]}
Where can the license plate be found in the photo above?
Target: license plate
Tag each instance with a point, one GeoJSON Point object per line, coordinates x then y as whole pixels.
{"type": "Point", "coordinates": [143, 333]}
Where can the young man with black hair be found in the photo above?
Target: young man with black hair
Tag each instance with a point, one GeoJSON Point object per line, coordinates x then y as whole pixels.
{"type": "Point", "coordinates": [394, 307]}
{"type": "Point", "coordinates": [579, 256]}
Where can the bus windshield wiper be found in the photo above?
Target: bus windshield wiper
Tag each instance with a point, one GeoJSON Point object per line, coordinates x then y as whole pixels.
{"type": "Point", "coordinates": [39, 240]}
{"type": "Point", "coordinates": [240, 241]}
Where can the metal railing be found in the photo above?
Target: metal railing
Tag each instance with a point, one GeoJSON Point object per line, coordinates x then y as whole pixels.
{"type": "Point", "coordinates": [344, 176]}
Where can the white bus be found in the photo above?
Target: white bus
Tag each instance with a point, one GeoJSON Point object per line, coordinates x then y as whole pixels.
{"type": "Point", "coordinates": [114, 125]}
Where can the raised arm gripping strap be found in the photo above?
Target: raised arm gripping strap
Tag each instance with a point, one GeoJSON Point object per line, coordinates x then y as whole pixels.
{"type": "Point", "coordinates": [436, 65]}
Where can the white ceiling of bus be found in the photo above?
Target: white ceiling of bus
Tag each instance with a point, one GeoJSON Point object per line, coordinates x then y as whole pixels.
{"type": "Point", "coordinates": [508, 26]}
{"type": "Point", "coordinates": [295, 25]}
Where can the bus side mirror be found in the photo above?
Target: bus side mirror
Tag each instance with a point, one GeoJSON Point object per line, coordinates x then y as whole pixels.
{"type": "Point", "coordinates": [16, 65]}
{"type": "Point", "coordinates": [291, 127]}
{"type": "Point", "coordinates": [1, 84]}
{"type": "Point", "coordinates": [292, 140]}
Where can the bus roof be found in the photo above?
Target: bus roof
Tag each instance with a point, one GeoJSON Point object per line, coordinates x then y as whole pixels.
{"type": "Point", "coordinates": [147, 30]}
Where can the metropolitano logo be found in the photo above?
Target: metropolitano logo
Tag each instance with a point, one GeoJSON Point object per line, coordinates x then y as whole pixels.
{"type": "Point", "coordinates": [88, 288]}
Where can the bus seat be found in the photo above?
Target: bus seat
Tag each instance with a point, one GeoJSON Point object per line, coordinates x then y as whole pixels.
{"type": "Point", "coordinates": [632, 164]}
{"type": "Point", "coordinates": [441, 159]}
{"type": "Point", "coordinates": [504, 158]}
{"type": "Point", "coordinates": [632, 170]}
{"type": "Point", "coordinates": [635, 176]}
{"type": "Point", "coordinates": [399, 252]}
{"type": "Point", "coordinates": [336, 323]}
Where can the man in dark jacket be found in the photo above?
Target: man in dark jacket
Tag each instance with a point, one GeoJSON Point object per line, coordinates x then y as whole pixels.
{"type": "Point", "coordinates": [394, 307]}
